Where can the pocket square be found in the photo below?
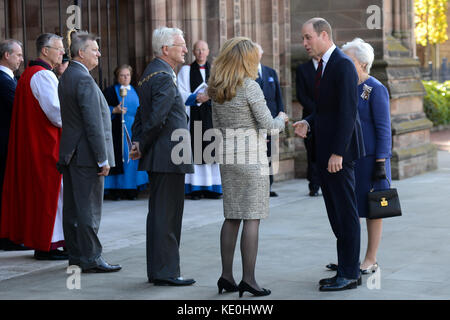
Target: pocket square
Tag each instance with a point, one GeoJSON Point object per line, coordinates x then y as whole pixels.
{"type": "Point", "coordinates": [270, 79]}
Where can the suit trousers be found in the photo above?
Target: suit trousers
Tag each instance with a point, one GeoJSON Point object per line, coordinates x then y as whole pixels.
{"type": "Point", "coordinates": [82, 208]}
{"type": "Point", "coordinates": [164, 219]}
{"type": "Point", "coordinates": [311, 172]}
{"type": "Point", "coordinates": [340, 200]}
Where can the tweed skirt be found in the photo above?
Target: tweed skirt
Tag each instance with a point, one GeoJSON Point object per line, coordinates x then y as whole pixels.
{"type": "Point", "coordinates": [246, 191]}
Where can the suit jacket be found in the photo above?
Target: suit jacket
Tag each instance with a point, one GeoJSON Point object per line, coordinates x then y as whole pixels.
{"type": "Point", "coordinates": [271, 88]}
{"type": "Point", "coordinates": [375, 116]}
{"type": "Point", "coordinates": [335, 121]}
{"type": "Point", "coordinates": [86, 119]}
{"type": "Point", "coordinates": [161, 112]}
{"type": "Point", "coordinates": [7, 91]}
{"type": "Point", "coordinates": [304, 87]}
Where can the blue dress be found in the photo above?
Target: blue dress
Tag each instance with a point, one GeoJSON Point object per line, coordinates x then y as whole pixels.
{"type": "Point", "coordinates": [131, 178]}
{"type": "Point", "coordinates": [374, 113]}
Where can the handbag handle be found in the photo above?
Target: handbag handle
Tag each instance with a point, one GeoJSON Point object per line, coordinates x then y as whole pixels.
{"type": "Point", "coordinates": [389, 183]}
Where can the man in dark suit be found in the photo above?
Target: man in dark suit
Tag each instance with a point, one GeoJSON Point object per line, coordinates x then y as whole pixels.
{"type": "Point", "coordinates": [86, 155]}
{"type": "Point", "coordinates": [162, 111]}
{"type": "Point", "coordinates": [268, 81]}
{"type": "Point", "coordinates": [304, 84]}
{"type": "Point", "coordinates": [337, 142]}
{"type": "Point", "coordinates": [11, 57]}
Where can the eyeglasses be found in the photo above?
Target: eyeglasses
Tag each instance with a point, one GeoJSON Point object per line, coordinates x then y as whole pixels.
{"type": "Point", "coordinates": [59, 49]}
{"type": "Point", "coordinates": [182, 45]}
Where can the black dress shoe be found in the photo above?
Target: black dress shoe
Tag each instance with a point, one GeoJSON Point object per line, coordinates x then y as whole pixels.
{"type": "Point", "coordinates": [273, 194]}
{"type": "Point", "coordinates": [332, 280]}
{"type": "Point", "coordinates": [340, 284]}
{"type": "Point", "coordinates": [327, 281]}
{"type": "Point", "coordinates": [313, 193]}
{"type": "Point", "coordinates": [8, 245]}
{"type": "Point", "coordinates": [332, 266]}
{"type": "Point", "coordinates": [173, 282]}
{"type": "Point", "coordinates": [51, 255]}
{"type": "Point", "coordinates": [103, 267]}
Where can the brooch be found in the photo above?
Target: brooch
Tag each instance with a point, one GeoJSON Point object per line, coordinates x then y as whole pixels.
{"type": "Point", "coordinates": [366, 92]}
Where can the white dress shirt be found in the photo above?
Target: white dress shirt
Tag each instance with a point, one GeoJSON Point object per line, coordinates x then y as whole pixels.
{"type": "Point", "coordinates": [325, 58]}
{"type": "Point", "coordinates": [8, 71]}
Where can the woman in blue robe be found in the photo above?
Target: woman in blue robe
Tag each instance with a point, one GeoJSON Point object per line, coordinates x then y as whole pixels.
{"type": "Point", "coordinates": [124, 180]}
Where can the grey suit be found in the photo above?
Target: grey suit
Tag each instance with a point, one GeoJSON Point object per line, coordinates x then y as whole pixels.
{"type": "Point", "coordinates": [86, 142]}
{"type": "Point", "coordinates": [161, 112]}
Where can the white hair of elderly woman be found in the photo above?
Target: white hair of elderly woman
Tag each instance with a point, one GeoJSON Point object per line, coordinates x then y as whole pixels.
{"type": "Point", "coordinates": [362, 51]}
{"type": "Point", "coordinates": [164, 36]}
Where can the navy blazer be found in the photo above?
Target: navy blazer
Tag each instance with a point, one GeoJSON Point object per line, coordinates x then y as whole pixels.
{"type": "Point", "coordinates": [161, 112]}
{"type": "Point", "coordinates": [7, 91]}
{"type": "Point", "coordinates": [335, 122]}
{"type": "Point", "coordinates": [375, 116]}
{"type": "Point", "coordinates": [304, 87]}
{"type": "Point", "coordinates": [271, 88]}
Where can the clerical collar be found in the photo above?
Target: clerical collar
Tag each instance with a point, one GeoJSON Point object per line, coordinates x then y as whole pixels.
{"type": "Point", "coordinates": [40, 62]}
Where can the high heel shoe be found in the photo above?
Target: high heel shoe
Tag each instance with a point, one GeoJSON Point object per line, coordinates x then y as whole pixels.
{"type": "Point", "coordinates": [224, 284]}
{"type": "Point", "coordinates": [243, 286]}
{"type": "Point", "coordinates": [371, 269]}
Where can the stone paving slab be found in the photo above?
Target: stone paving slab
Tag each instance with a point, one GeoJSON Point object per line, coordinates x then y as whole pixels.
{"type": "Point", "coordinates": [296, 242]}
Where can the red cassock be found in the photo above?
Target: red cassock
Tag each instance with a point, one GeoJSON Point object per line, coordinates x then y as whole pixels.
{"type": "Point", "coordinates": [32, 183]}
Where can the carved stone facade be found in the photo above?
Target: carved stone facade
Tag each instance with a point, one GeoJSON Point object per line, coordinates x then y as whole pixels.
{"type": "Point", "coordinates": [125, 29]}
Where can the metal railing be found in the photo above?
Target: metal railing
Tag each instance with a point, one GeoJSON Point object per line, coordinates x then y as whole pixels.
{"type": "Point", "coordinates": [440, 75]}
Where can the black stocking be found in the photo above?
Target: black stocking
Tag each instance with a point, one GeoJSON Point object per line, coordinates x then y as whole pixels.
{"type": "Point", "coordinates": [249, 251]}
{"type": "Point", "coordinates": [228, 237]}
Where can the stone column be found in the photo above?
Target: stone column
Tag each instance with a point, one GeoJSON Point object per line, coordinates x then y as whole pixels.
{"type": "Point", "coordinates": [412, 151]}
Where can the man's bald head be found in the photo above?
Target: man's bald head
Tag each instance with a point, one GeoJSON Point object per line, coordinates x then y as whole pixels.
{"type": "Point", "coordinates": [201, 51]}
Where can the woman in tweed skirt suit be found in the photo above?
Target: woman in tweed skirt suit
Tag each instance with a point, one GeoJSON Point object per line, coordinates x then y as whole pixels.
{"type": "Point", "coordinates": [240, 113]}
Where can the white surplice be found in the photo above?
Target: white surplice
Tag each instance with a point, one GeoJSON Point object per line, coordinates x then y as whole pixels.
{"type": "Point", "coordinates": [205, 175]}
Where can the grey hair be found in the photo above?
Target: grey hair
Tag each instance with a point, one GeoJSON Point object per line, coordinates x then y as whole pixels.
{"type": "Point", "coordinates": [44, 40]}
{"type": "Point", "coordinates": [7, 46]}
{"type": "Point", "coordinates": [362, 50]}
{"type": "Point", "coordinates": [163, 36]}
{"type": "Point", "coordinates": [77, 41]}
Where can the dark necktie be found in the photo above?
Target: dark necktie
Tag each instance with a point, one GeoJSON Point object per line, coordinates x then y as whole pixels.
{"type": "Point", "coordinates": [317, 80]}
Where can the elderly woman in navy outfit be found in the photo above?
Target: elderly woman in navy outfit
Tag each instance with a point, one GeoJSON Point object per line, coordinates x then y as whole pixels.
{"type": "Point", "coordinates": [373, 170]}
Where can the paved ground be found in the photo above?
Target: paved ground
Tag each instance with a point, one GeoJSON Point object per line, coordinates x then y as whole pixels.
{"type": "Point", "coordinates": [295, 244]}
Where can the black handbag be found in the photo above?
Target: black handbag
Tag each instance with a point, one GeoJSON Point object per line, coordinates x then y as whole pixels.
{"type": "Point", "coordinates": [383, 203]}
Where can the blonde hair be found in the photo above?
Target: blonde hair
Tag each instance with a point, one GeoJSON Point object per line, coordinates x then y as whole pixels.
{"type": "Point", "coordinates": [238, 59]}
